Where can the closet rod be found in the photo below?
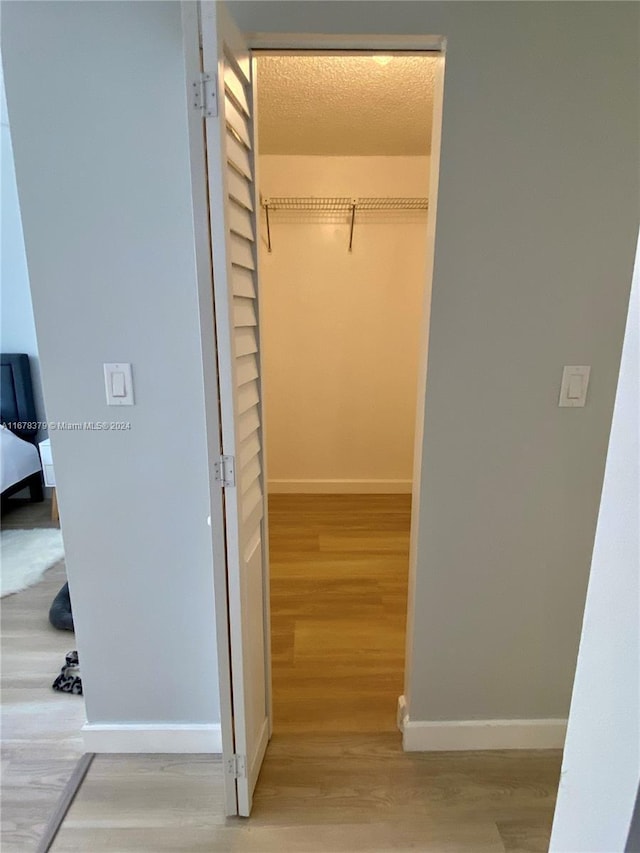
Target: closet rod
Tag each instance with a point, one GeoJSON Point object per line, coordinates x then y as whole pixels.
{"type": "Point", "coordinates": [340, 204]}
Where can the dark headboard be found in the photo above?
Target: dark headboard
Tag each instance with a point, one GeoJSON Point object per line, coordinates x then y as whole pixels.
{"type": "Point", "coordinates": [17, 405]}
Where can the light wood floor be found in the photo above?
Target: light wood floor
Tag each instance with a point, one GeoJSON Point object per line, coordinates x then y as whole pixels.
{"type": "Point", "coordinates": [339, 567]}
{"type": "Point", "coordinates": [322, 793]}
{"type": "Point", "coordinates": [41, 740]}
{"type": "Point", "coordinates": [334, 777]}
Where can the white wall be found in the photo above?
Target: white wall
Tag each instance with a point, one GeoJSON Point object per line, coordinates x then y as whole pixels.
{"type": "Point", "coordinates": [17, 327]}
{"type": "Point", "coordinates": [103, 174]}
{"type": "Point", "coordinates": [340, 329]}
{"type": "Point", "coordinates": [537, 220]}
{"type": "Point", "coordinates": [601, 765]}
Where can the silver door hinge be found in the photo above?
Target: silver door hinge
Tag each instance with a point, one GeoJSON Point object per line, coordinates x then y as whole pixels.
{"type": "Point", "coordinates": [237, 766]}
{"type": "Point", "coordinates": [204, 95]}
{"type": "Point", "coordinates": [225, 471]}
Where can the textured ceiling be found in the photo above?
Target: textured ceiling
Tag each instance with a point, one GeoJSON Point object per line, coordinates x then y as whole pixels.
{"type": "Point", "coordinates": [345, 105]}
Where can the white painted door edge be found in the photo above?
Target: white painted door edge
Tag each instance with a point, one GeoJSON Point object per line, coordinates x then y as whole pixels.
{"type": "Point", "coordinates": [208, 343]}
{"type": "Point", "coordinates": [231, 186]}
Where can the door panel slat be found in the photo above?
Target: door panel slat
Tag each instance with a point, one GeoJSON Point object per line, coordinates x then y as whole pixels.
{"type": "Point", "coordinates": [236, 121]}
{"type": "Point", "coordinates": [250, 473]}
{"type": "Point", "coordinates": [246, 368]}
{"type": "Point", "coordinates": [241, 252]}
{"type": "Point", "coordinates": [240, 220]}
{"type": "Point", "coordinates": [249, 448]}
{"type": "Point", "coordinates": [253, 520]}
{"type": "Point", "coordinates": [248, 396]}
{"type": "Point", "coordinates": [244, 312]}
{"type": "Point", "coordinates": [251, 500]}
{"type": "Point", "coordinates": [236, 87]}
{"type": "Point", "coordinates": [239, 188]}
{"type": "Point", "coordinates": [238, 155]}
{"type": "Point", "coordinates": [253, 542]}
{"type": "Point", "coordinates": [245, 341]}
{"type": "Point", "coordinates": [243, 283]}
{"type": "Point", "coordinates": [247, 423]}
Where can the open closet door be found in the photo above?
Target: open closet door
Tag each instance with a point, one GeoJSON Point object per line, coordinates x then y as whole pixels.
{"type": "Point", "coordinates": [232, 213]}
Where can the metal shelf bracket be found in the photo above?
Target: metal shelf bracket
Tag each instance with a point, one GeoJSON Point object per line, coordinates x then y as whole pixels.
{"type": "Point", "coordinates": [339, 204]}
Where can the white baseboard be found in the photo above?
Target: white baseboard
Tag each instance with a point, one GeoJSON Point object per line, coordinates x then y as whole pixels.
{"type": "Point", "coordinates": [340, 487]}
{"type": "Point", "coordinates": [454, 735]}
{"type": "Point", "coordinates": [152, 737]}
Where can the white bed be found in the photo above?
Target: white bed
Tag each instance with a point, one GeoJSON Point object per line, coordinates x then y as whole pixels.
{"type": "Point", "coordinates": [19, 459]}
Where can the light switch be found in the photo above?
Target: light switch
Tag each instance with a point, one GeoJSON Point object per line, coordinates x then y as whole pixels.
{"type": "Point", "coordinates": [118, 384]}
{"type": "Point", "coordinates": [575, 380]}
{"type": "Point", "coordinates": [574, 388]}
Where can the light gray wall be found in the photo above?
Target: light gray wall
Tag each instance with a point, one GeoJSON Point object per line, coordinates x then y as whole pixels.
{"type": "Point", "coordinates": [536, 230]}
{"type": "Point", "coordinates": [96, 95]}
{"type": "Point", "coordinates": [537, 218]}
{"type": "Point", "coordinates": [601, 763]}
{"type": "Point", "coordinates": [17, 327]}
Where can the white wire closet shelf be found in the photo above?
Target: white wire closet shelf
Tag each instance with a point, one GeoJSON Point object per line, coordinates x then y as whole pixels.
{"type": "Point", "coordinates": [340, 204]}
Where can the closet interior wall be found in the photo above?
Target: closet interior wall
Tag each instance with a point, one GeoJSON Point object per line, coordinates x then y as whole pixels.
{"type": "Point", "coordinates": [341, 329]}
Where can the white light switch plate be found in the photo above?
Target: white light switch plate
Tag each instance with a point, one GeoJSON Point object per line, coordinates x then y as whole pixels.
{"type": "Point", "coordinates": [118, 384]}
{"type": "Point", "coordinates": [575, 381]}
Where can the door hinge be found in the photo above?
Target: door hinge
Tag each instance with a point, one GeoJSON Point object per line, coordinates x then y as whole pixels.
{"type": "Point", "coordinates": [205, 96]}
{"type": "Point", "coordinates": [225, 471]}
{"type": "Point", "coordinates": [237, 766]}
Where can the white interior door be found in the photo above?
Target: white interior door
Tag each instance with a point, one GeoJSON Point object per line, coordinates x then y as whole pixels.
{"type": "Point", "coordinates": [232, 211]}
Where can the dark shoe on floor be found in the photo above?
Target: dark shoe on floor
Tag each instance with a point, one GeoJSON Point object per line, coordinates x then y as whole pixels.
{"type": "Point", "coordinates": [60, 614]}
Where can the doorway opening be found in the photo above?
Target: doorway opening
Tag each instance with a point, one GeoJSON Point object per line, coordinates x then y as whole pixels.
{"type": "Point", "coordinates": [345, 168]}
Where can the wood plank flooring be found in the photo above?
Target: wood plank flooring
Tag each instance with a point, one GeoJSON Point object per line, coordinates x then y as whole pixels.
{"type": "Point", "coordinates": [322, 793]}
{"type": "Point", "coordinates": [41, 740]}
{"type": "Point", "coordinates": [335, 777]}
{"type": "Point", "coordinates": [339, 567]}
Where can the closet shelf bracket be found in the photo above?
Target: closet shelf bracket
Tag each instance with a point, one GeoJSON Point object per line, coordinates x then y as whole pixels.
{"type": "Point", "coordinates": [353, 222]}
{"type": "Point", "coordinates": [340, 205]}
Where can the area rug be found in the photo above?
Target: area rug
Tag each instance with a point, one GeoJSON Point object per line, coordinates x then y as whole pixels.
{"type": "Point", "coordinates": [25, 555]}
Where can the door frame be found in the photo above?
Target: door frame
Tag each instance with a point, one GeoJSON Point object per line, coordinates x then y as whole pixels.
{"type": "Point", "coordinates": [284, 43]}
{"type": "Point", "coordinates": [308, 44]}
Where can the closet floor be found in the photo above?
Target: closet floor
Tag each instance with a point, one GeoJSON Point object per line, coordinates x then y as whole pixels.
{"type": "Point", "coordinates": [339, 573]}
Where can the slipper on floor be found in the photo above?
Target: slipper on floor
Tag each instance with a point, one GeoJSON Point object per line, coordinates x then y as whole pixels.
{"type": "Point", "coordinates": [69, 680]}
{"type": "Point", "coordinates": [60, 614]}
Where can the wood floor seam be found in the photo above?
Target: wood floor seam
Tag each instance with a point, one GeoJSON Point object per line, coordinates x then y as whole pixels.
{"type": "Point", "coordinates": [64, 803]}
